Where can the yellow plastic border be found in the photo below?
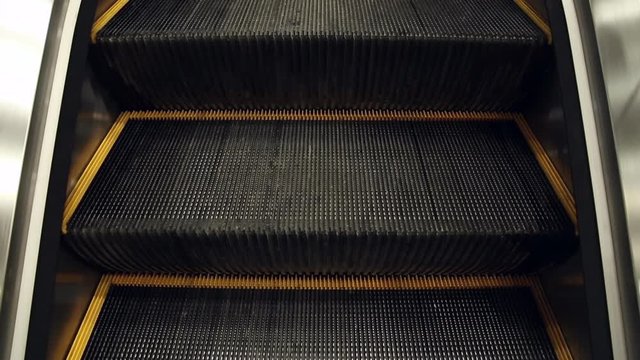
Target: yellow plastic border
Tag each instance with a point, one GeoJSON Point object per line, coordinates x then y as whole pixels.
{"type": "Point", "coordinates": [536, 18]}
{"type": "Point", "coordinates": [106, 17]}
{"type": "Point", "coordinates": [564, 194]}
{"type": "Point", "coordinates": [562, 191]}
{"type": "Point", "coordinates": [320, 115]}
{"type": "Point", "coordinates": [76, 195]}
{"type": "Point", "coordinates": [319, 283]}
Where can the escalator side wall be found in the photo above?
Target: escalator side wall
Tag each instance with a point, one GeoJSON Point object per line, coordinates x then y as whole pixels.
{"type": "Point", "coordinates": [554, 279]}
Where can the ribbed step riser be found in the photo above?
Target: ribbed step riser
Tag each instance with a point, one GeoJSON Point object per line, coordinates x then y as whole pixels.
{"type": "Point", "coordinates": [316, 318]}
{"type": "Point", "coordinates": [311, 54]}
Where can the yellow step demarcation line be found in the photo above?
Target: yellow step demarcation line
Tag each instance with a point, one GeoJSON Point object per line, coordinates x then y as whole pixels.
{"type": "Point", "coordinates": [75, 197]}
{"type": "Point", "coordinates": [102, 21]}
{"type": "Point", "coordinates": [531, 12]}
{"type": "Point", "coordinates": [319, 283]}
{"type": "Point", "coordinates": [81, 187]}
{"type": "Point", "coordinates": [319, 115]}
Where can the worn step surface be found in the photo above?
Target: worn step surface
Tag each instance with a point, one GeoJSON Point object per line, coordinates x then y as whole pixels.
{"type": "Point", "coordinates": [310, 54]}
{"type": "Point", "coordinates": [324, 197]}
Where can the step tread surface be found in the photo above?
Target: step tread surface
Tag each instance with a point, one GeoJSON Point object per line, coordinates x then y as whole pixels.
{"type": "Point", "coordinates": [187, 323]}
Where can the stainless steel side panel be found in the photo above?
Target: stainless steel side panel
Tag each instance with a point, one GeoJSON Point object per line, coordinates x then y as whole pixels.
{"type": "Point", "coordinates": [607, 30]}
{"type": "Point", "coordinates": [23, 33]}
{"type": "Point", "coordinates": [35, 43]}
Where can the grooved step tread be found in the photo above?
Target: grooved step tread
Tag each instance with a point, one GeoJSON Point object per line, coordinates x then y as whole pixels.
{"type": "Point", "coordinates": [365, 318]}
{"type": "Point", "coordinates": [367, 197]}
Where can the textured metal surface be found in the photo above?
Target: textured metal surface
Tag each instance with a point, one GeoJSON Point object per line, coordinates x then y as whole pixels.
{"type": "Point", "coordinates": [320, 197]}
{"type": "Point", "coordinates": [187, 323]}
{"type": "Point", "coordinates": [432, 54]}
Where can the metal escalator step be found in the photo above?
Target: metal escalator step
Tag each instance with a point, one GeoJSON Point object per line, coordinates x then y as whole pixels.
{"type": "Point", "coordinates": [318, 318]}
{"type": "Point", "coordinates": [312, 54]}
{"type": "Point", "coordinates": [216, 193]}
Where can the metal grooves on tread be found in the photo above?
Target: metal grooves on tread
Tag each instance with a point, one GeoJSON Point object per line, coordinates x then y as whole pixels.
{"type": "Point", "coordinates": [312, 54]}
{"type": "Point", "coordinates": [265, 196]}
{"type": "Point", "coordinates": [174, 317]}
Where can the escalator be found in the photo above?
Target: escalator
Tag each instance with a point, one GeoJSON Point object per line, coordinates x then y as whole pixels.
{"type": "Point", "coordinates": [318, 179]}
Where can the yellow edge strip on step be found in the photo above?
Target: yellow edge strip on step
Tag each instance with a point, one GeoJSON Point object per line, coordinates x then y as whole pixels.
{"type": "Point", "coordinates": [90, 319]}
{"type": "Point", "coordinates": [320, 283]}
{"type": "Point", "coordinates": [119, 4]}
{"type": "Point", "coordinates": [536, 18]}
{"type": "Point", "coordinates": [553, 328]}
{"type": "Point", "coordinates": [91, 170]}
{"type": "Point", "coordinates": [106, 17]}
{"type": "Point", "coordinates": [320, 115]}
{"type": "Point", "coordinates": [563, 193]}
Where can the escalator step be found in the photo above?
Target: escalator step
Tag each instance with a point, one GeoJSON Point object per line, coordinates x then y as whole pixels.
{"type": "Point", "coordinates": [442, 318]}
{"type": "Point", "coordinates": [197, 194]}
{"type": "Point", "coordinates": [321, 54]}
